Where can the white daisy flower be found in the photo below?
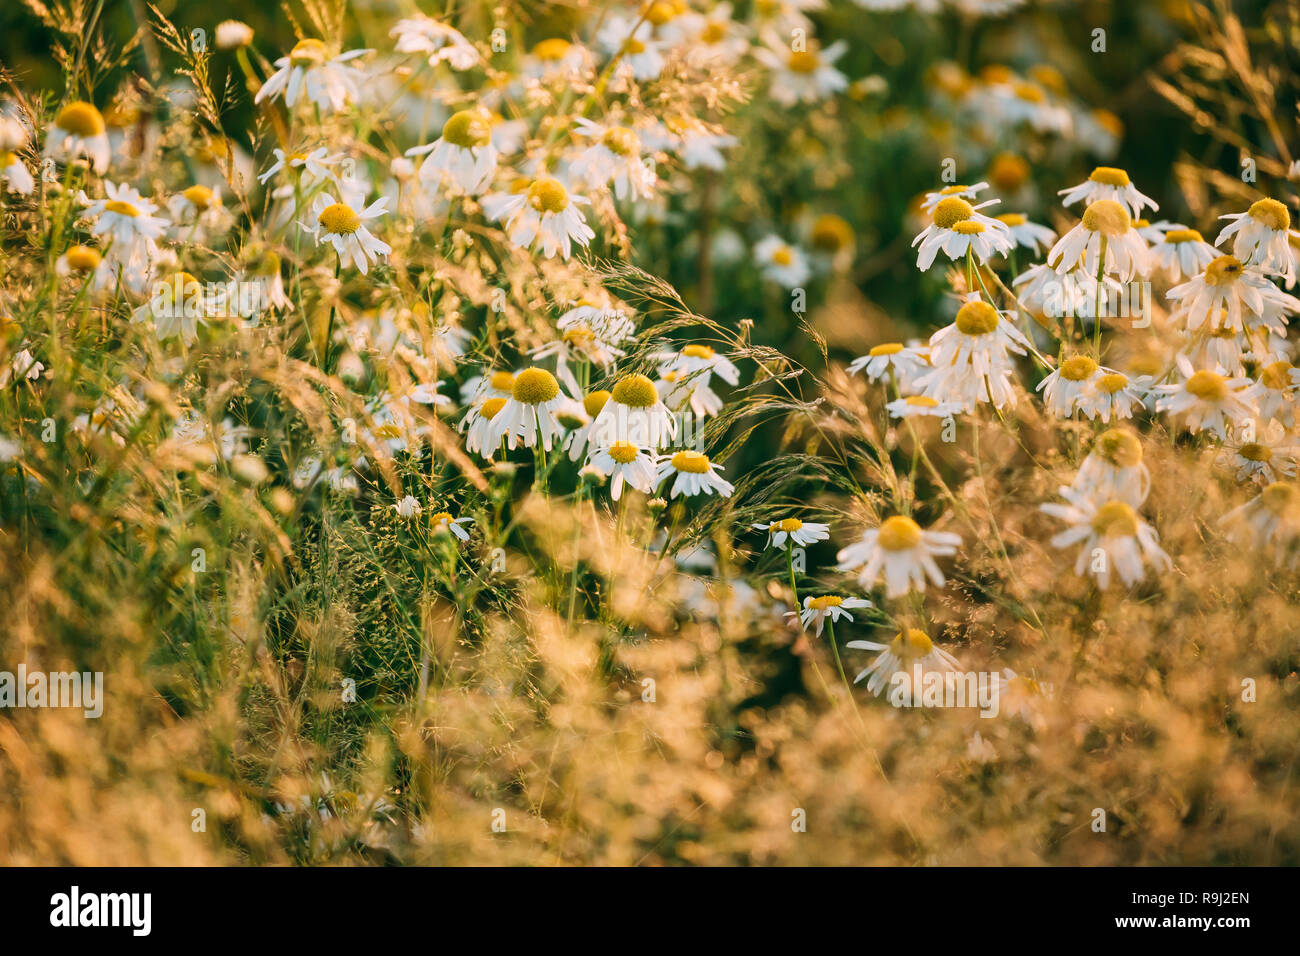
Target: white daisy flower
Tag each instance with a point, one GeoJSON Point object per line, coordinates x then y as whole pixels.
{"type": "Point", "coordinates": [1109, 183]}
{"type": "Point", "coordinates": [22, 367]}
{"type": "Point", "coordinates": [1277, 395]}
{"type": "Point", "coordinates": [1114, 470]}
{"type": "Point", "coordinates": [922, 406]}
{"type": "Point", "coordinates": [87, 265]}
{"type": "Point", "coordinates": [1265, 458]}
{"type": "Point", "coordinates": [695, 475]}
{"type": "Point", "coordinates": [818, 610]}
{"type": "Point", "coordinates": [1064, 389]}
{"type": "Point", "coordinates": [971, 358]}
{"type": "Point", "coordinates": [197, 205]}
{"type": "Point", "coordinates": [781, 262]}
{"type": "Point", "coordinates": [634, 414]}
{"type": "Point", "coordinates": [910, 650]}
{"type": "Point", "coordinates": [615, 157]}
{"type": "Point", "coordinates": [314, 167]}
{"type": "Point", "coordinates": [77, 131]}
{"type": "Point", "coordinates": [640, 54]}
{"type": "Point", "coordinates": [578, 441]}
{"type": "Point", "coordinates": [700, 361]}
{"type": "Point", "coordinates": [1107, 223]}
{"type": "Point", "coordinates": [329, 82]}
{"type": "Point", "coordinates": [344, 228]}
{"type": "Point", "coordinates": [442, 43]}
{"type": "Point", "coordinates": [1209, 399]}
{"type": "Point", "coordinates": [1218, 295]}
{"type": "Point", "coordinates": [1112, 535]}
{"type": "Point", "coordinates": [530, 411]}
{"type": "Point", "coordinates": [464, 153]}
{"type": "Point", "coordinates": [955, 191]}
{"type": "Point", "coordinates": [127, 219]}
{"type": "Point", "coordinates": [1269, 522]}
{"type": "Point", "coordinates": [557, 59]}
{"type": "Point", "coordinates": [716, 39]}
{"type": "Point", "coordinates": [178, 303]}
{"type": "Point", "coordinates": [548, 212]}
{"type": "Point", "coordinates": [624, 463]}
{"type": "Point", "coordinates": [1262, 238]}
{"type": "Point", "coordinates": [906, 362]}
{"type": "Point", "coordinates": [1111, 394]}
{"type": "Point", "coordinates": [1181, 253]}
{"type": "Point", "coordinates": [958, 228]}
{"type": "Point", "coordinates": [801, 533]}
{"type": "Point", "coordinates": [802, 76]}
{"type": "Point", "coordinates": [1029, 235]}
{"type": "Point", "coordinates": [901, 552]}
{"type": "Point", "coordinates": [14, 174]}
{"type": "Point", "coordinates": [696, 144]}
{"type": "Point", "coordinates": [233, 34]}
{"type": "Point", "coordinates": [262, 269]}
{"type": "Point", "coordinates": [482, 438]}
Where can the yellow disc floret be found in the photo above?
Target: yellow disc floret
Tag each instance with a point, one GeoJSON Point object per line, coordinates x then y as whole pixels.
{"type": "Point", "coordinates": [533, 386]}
{"type": "Point", "coordinates": [948, 212]}
{"type": "Point", "coordinates": [1223, 270]}
{"type": "Point", "coordinates": [1272, 214]}
{"type": "Point", "coordinates": [595, 401]}
{"type": "Point", "coordinates": [1115, 519]}
{"type": "Point", "coordinates": [548, 195]}
{"type": "Point", "coordinates": [635, 391]}
{"type": "Point", "coordinates": [1110, 176]}
{"type": "Point", "coordinates": [1207, 386]}
{"type": "Point", "coordinates": [976, 318]}
{"type": "Point", "coordinates": [1078, 368]}
{"type": "Point", "coordinates": [1107, 217]}
{"type": "Point", "coordinates": [81, 119]}
{"type": "Point", "coordinates": [340, 219]}
{"type": "Point", "coordinates": [691, 461]}
{"type": "Point", "coordinates": [899, 533]}
{"type": "Point", "coordinates": [1119, 447]}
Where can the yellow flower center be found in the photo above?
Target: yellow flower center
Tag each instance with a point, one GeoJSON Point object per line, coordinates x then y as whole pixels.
{"type": "Point", "coordinates": [782, 255]}
{"type": "Point", "coordinates": [698, 351]}
{"type": "Point", "coordinates": [1207, 386]}
{"type": "Point", "coordinates": [533, 386]}
{"type": "Point", "coordinates": [121, 208]}
{"type": "Point", "coordinates": [715, 31]}
{"type": "Point", "coordinates": [635, 391]}
{"type": "Point", "coordinates": [1008, 172]}
{"type": "Point", "coordinates": [201, 197]}
{"type": "Point", "coordinates": [1276, 376]}
{"type": "Point", "coordinates": [922, 401]}
{"type": "Point", "coordinates": [1183, 235]}
{"type": "Point", "coordinates": [660, 13]}
{"type": "Point", "coordinates": [1030, 92]}
{"type": "Point", "coordinates": [1223, 270]}
{"type": "Point", "coordinates": [502, 381]}
{"type": "Point", "coordinates": [83, 258]}
{"type": "Point", "coordinates": [80, 119]}
{"type": "Point", "coordinates": [548, 195]}
{"type": "Point", "coordinates": [1078, 368]}
{"type": "Point", "coordinates": [831, 233]}
{"type": "Point", "coordinates": [621, 141]}
{"type": "Point", "coordinates": [490, 408]}
{"type": "Point", "coordinates": [468, 129]}
{"type": "Point", "coordinates": [786, 524]}
{"type": "Point", "coordinates": [977, 318]}
{"type": "Point", "coordinates": [1110, 176]}
{"type": "Point", "coordinates": [825, 601]}
{"type": "Point", "coordinates": [691, 461]}
{"type": "Point", "coordinates": [633, 46]}
{"type": "Point", "coordinates": [441, 517]}
{"type": "Point", "coordinates": [1279, 497]}
{"type": "Point", "coordinates": [310, 52]}
{"type": "Point", "coordinates": [623, 452]}
{"type": "Point", "coordinates": [552, 49]}
{"type": "Point", "coordinates": [1107, 217]}
{"type": "Point", "coordinates": [1013, 219]}
{"type": "Point", "coordinates": [1111, 382]}
{"type": "Point", "coordinates": [267, 264]}
{"type": "Point", "coordinates": [1119, 447]}
{"type": "Point", "coordinates": [969, 228]}
{"type": "Point", "coordinates": [911, 644]}
{"type": "Point", "coordinates": [948, 212]}
{"type": "Point", "coordinates": [1115, 519]}
{"type": "Point", "coordinates": [595, 401]}
{"type": "Point", "coordinates": [340, 219]}
{"type": "Point", "coordinates": [886, 348]}
{"type": "Point", "coordinates": [899, 533]}
{"type": "Point", "coordinates": [1254, 451]}
{"type": "Point", "coordinates": [1272, 214]}
{"type": "Point", "coordinates": [803, 61]}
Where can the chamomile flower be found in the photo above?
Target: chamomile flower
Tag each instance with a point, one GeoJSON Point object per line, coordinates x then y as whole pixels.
{"type": "Point", "coordinates": [1066, 386]}
{"type": "Point", "coordinates": [1107, 225]}
{"type": "Point", "coordinates": [716, 40]}
{"type": "Point", "coordinates": [911, 649]}
{"type": "Point", "coordinates": [79, 131]}
{"type": "Point", "coordinates": [818, 610]}
{"type": "Point", "coordinates": [640, 53]}
{"type": "Point", "coordinates": [699, 361]}
{"type": "Point", "coordinates": [698, 145]}
{"type": "Point", "coordinates": [900, 551]}
{"type": "Point", "coordinates": [442, 43]}
{"type": "Point", "coordinates": [481, 436]}
{"type": "Point", "coordinates": [24, 366]}
{"type": "Point", "coordinates": [1111, 394]}
{"type": "Point", "coordinates": [330, 82]}
{"type": "Point", "coordinates": [781, 262]}
{"type": "Point", "coordinates": [1181, 253]}
{"type": "Point", "coordinates": [1111, 533]}
{"type": "Point", "coordinates": [635, 414]}
{"type": "Point", "coordinates": [312, 168]}
{"type": "Point", "coordinates": [86, 265]}
{"type": "Point", "coordinates": [233, 34]}
{"type": "Point", "coordinates": [577, 441]}
{"type": "Point", "coordinates": [1229, 294]}
{"type": "Point", "coordinates": [547, 212]}
{"type": "Point", "coordinates": [955, 191]}
{"type": "Point", "coordinates": [1208, 398]}
{"type": "Point", "coordinates": [1026, 234]}
{"type": "Point", "coordinates": [624, 463]}
{"type": "Point", "coordinates": [807, 75]}
{"type": "Point", "coordinates": [971, 358]}
{"type": "Point", "coordinates": [529, 413]}
{"type": "Point", "coordinates": [693, 475]}
{"type": "Point", "coordinates": [1108, 183]}
{"type": "Point", "coordinates": [178, 304]}
{"type": "Point", "coordinates": [1269, 522]}
{"type": "Point", "coordinates": [1114, 469]}
{"type": "Point", "coordinates": [1262, 238]}
{"type": "Point", "coordinates": [463, 154]}
{"type": "Point", "coordinates": [262, 268]}
{"type": "Point", "coordinates": [922, 406]}
{"type": "Point", "coordinates": [127, 220]}
{"type": "Point", "coordinates": [197, 205]}
{"type": "Point", "coordinates": [557, 59]}
{"type": "Point", "coordinates": [1277, 393]}
{"type": "Point", "coordinates": [345, 229]}
{"type": "Point", "coordinates": [906, 363]}
{"type": "Point", "coordinates": [1264, 459]}
{"type": "Point", "coordinates": [443, 523]}
{"type": "Point", "coordinates": [958, 228]}
{"type": "Point", "coordinates": [613, 158]}
{"type": "Point", "coordinates": [14, 174]}
{"type": "Point", "coordinates": [794, 530]}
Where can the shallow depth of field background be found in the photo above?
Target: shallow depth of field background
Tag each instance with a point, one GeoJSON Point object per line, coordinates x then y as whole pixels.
{"type": "Point", "coordinates": [1146, 721]}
